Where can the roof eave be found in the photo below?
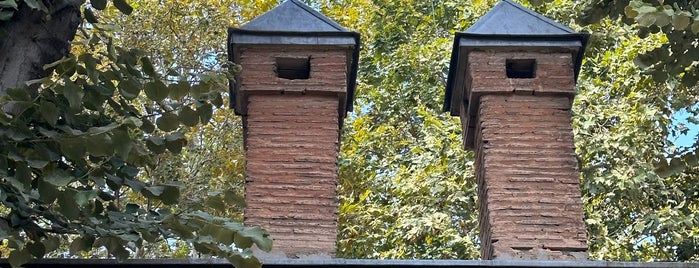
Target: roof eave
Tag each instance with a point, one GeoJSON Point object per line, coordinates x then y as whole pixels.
{"type": "Point", "coordinates": [242, 37]}
{"type": "Point", "coordinates": [576, 42]}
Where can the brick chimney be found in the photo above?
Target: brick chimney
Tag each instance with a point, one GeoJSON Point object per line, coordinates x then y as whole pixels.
{"type": "Point", "coordinates": [512, 81]}
{"type": "Point", "coordinates": [295, 88]}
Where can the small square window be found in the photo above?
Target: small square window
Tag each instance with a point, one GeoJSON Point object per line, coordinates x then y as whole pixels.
{"type": "Point", "coordinates": [521, 68]}
{"type": "Point", "coordinates": [293, 68]}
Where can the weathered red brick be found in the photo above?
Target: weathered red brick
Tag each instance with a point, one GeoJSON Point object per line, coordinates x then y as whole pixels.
{"type": "Point", "coordinates": [526, 166]}
{"type": "Point", "coordinates": [292, 141]}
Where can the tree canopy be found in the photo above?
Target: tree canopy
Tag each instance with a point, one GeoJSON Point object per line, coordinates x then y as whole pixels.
{"type": "Point", "coordinates": [122, 146]}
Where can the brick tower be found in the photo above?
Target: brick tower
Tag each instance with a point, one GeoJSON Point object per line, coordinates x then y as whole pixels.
{"type": "Point", "coordinates": [512, 81]}
{"type": "Point", "coordinates": [295, 88]}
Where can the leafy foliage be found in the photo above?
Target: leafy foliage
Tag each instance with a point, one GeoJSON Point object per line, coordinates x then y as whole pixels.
{"type": "Point", "coordinates": [403, 171]}
{"type": "Point", "coordinates": [673, 62]}
{"type": "Point", "coordinates": [407, 188]}
{"type": "Point", "coordinates": [638, 208]}
{"type": "Point", "coordinates": [91, 158]}
{"type": "Point", "coordinates": [76, 157]}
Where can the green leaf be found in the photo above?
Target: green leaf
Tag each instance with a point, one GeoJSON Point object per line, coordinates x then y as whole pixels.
{"type": "Point", "coordinates": [129, 88]}
{"type": "Point", "coordinates": [36, 5]}
{"type": "Point", "coordinates": [205, 112]}
{"type": "Point", "coordinates": [156, 144]}
{"type": "Point", "coordinates": [147, 126]}
{"type": "Point", "coordinates": [662, 19]}
{"type": "Point", "coordinates": [39, 157]}
{"type": "Point", "coordinates": [179, 90]}
{"type": "Point", "coordinates": [100, 145]}
{"type": "Point", "coordinates": [175, 141]}
{"type": "Point", "coordinates": [219, 233]}
{"type": "Point", "coordinates": [49, 112]}
{"type": "Point", "coordinates": [131, 208]}
{"type": "Point", "coordinates": [148, 67]}
{"type": "Point", "coordinates": [6, 15]}
{"type": "Point", "coordinates": [150, 237]}
{"type": "Point", "coordinates": [167, 122]}
{"type": "Point", "coordinates": [80, 244]}
{"type": "Point", "coordinates": [8, 4]}
{"type": "Point", "coordinates": [630, 12]}
{"type": "Point", "coordinates": [177, 226]}
{"type": "Point", "coordinates": [67, 204]}
{"type": "Point", "coordinates": [19, 257]}
{"type": "Point", "coordinates": [132, 121]}
{"type": "Point", "coordinates": [98, 4]}
{"type": "Point", "coordinates": [115, 246]}
{"type": "Point", "coordinates": [57, 177]}
{"type": "Point", "coordinates": [47, 191]}
{"type": "Point", "coordinates": [242, 242]}
{"type": "Point", "coordinates": [695, 27]}
{"type": "Point", "coordinates": [18, 94]}
{"type": "Point", "coordinates": [73, 147]}
{"type": "Point", "coordinates": [23, 176]}
{"type": "Point", "coordinates": [680, 21]}
{"type": "Point", "coordinates": [89, 15]}
{"type": "Point", "coordinates": [259, 236]}
{"type": "Point", "coordinates": [66, 67]}
{"type": "Point", "coordinates": [188, 117]}
{"type": "Point", "coordinates": [156, 90]}
{"type": "Point", "coordinates": [102, 129]}
{"type": "Point", "coordinates": [231, 197]}
{"type": "Point", "coordinates": [170, 194]}
{"type": "Point", "coordinates": [114, 182]}
{"type": "Point", "coordinates": [690, 79]}
{"type": "Point", "coordinates": [37, 249]}
{"type": "Point", "coordinates": [122, 143]}
{"type": "Point", "coordinates": [215, 202]}
{"type": "Point", "coordinates": [74, 94]}
{"type": "Point", "coordinates": [83, 198]}
{"type": "Point", "coordinates": [217, 101]}
{"type": "Point", "coordinates": [129, 170]}
{"type": "Point", "coordinates": [122, 6]}
{"type": "Point", "coordinates": [155, 190]}
{"type": "Point", "coordinates": [645, 19]}
{"type": "Point", "coordinates": [51, 243]}
{"type": "Point", "coordinates": [18, 134]}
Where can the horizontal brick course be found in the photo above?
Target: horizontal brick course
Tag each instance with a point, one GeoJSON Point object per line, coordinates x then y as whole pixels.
{"type": "Point", "coordinates": [328, 70]}
{"type": "Point", "coordinates": [530, 205]}
{"type": "Point", "coordinates": [292, 143]}
{"type": "Point", "coordinates": [486, 74]}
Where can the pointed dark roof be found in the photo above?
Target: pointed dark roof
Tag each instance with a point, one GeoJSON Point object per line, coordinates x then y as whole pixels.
{"type": "Point", "coordinates": [293, 16]}
{"type": "Point", "coordinates": [510, 18]}
{"type": "Point", "coordinates": [507, 25]}
{"type": "Point", "coordinates": [294, 23]}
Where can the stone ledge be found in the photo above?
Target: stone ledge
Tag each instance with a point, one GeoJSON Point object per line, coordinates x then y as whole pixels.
{"type": "Point", "coordinates": [357, 263]}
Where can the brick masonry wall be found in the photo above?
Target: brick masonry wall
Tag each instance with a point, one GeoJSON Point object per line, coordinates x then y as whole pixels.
{"type": "Point", "coordinates": [527, 171]}
{"type": "Point", "coordinates": [292, 140]}
{"type": "Point", "coordinates": [328, 70]}
{"type": "Point", "coordinates": [554, 73]}
{"type": "Point", "coordinates": [292, 146]}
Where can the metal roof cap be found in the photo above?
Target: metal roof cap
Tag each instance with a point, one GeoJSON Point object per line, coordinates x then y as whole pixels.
{"type": "Point", "coordinates": [295, 23]}
{"type": "Point", "coordinates": [509, 25]}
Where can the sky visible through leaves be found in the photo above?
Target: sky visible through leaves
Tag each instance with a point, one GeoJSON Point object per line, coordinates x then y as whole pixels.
{"type": "Point", "coordinates": [687, 139]}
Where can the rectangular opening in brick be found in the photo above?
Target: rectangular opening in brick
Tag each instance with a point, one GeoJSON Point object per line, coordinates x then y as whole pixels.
{"type": "Point", "coordinates": [521, 68]}
{"type": "Point", "coordinates": [293, 68]}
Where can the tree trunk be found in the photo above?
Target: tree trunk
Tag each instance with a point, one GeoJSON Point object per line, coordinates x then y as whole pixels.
{"type": "Point", "coordinates": [33, 38]}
